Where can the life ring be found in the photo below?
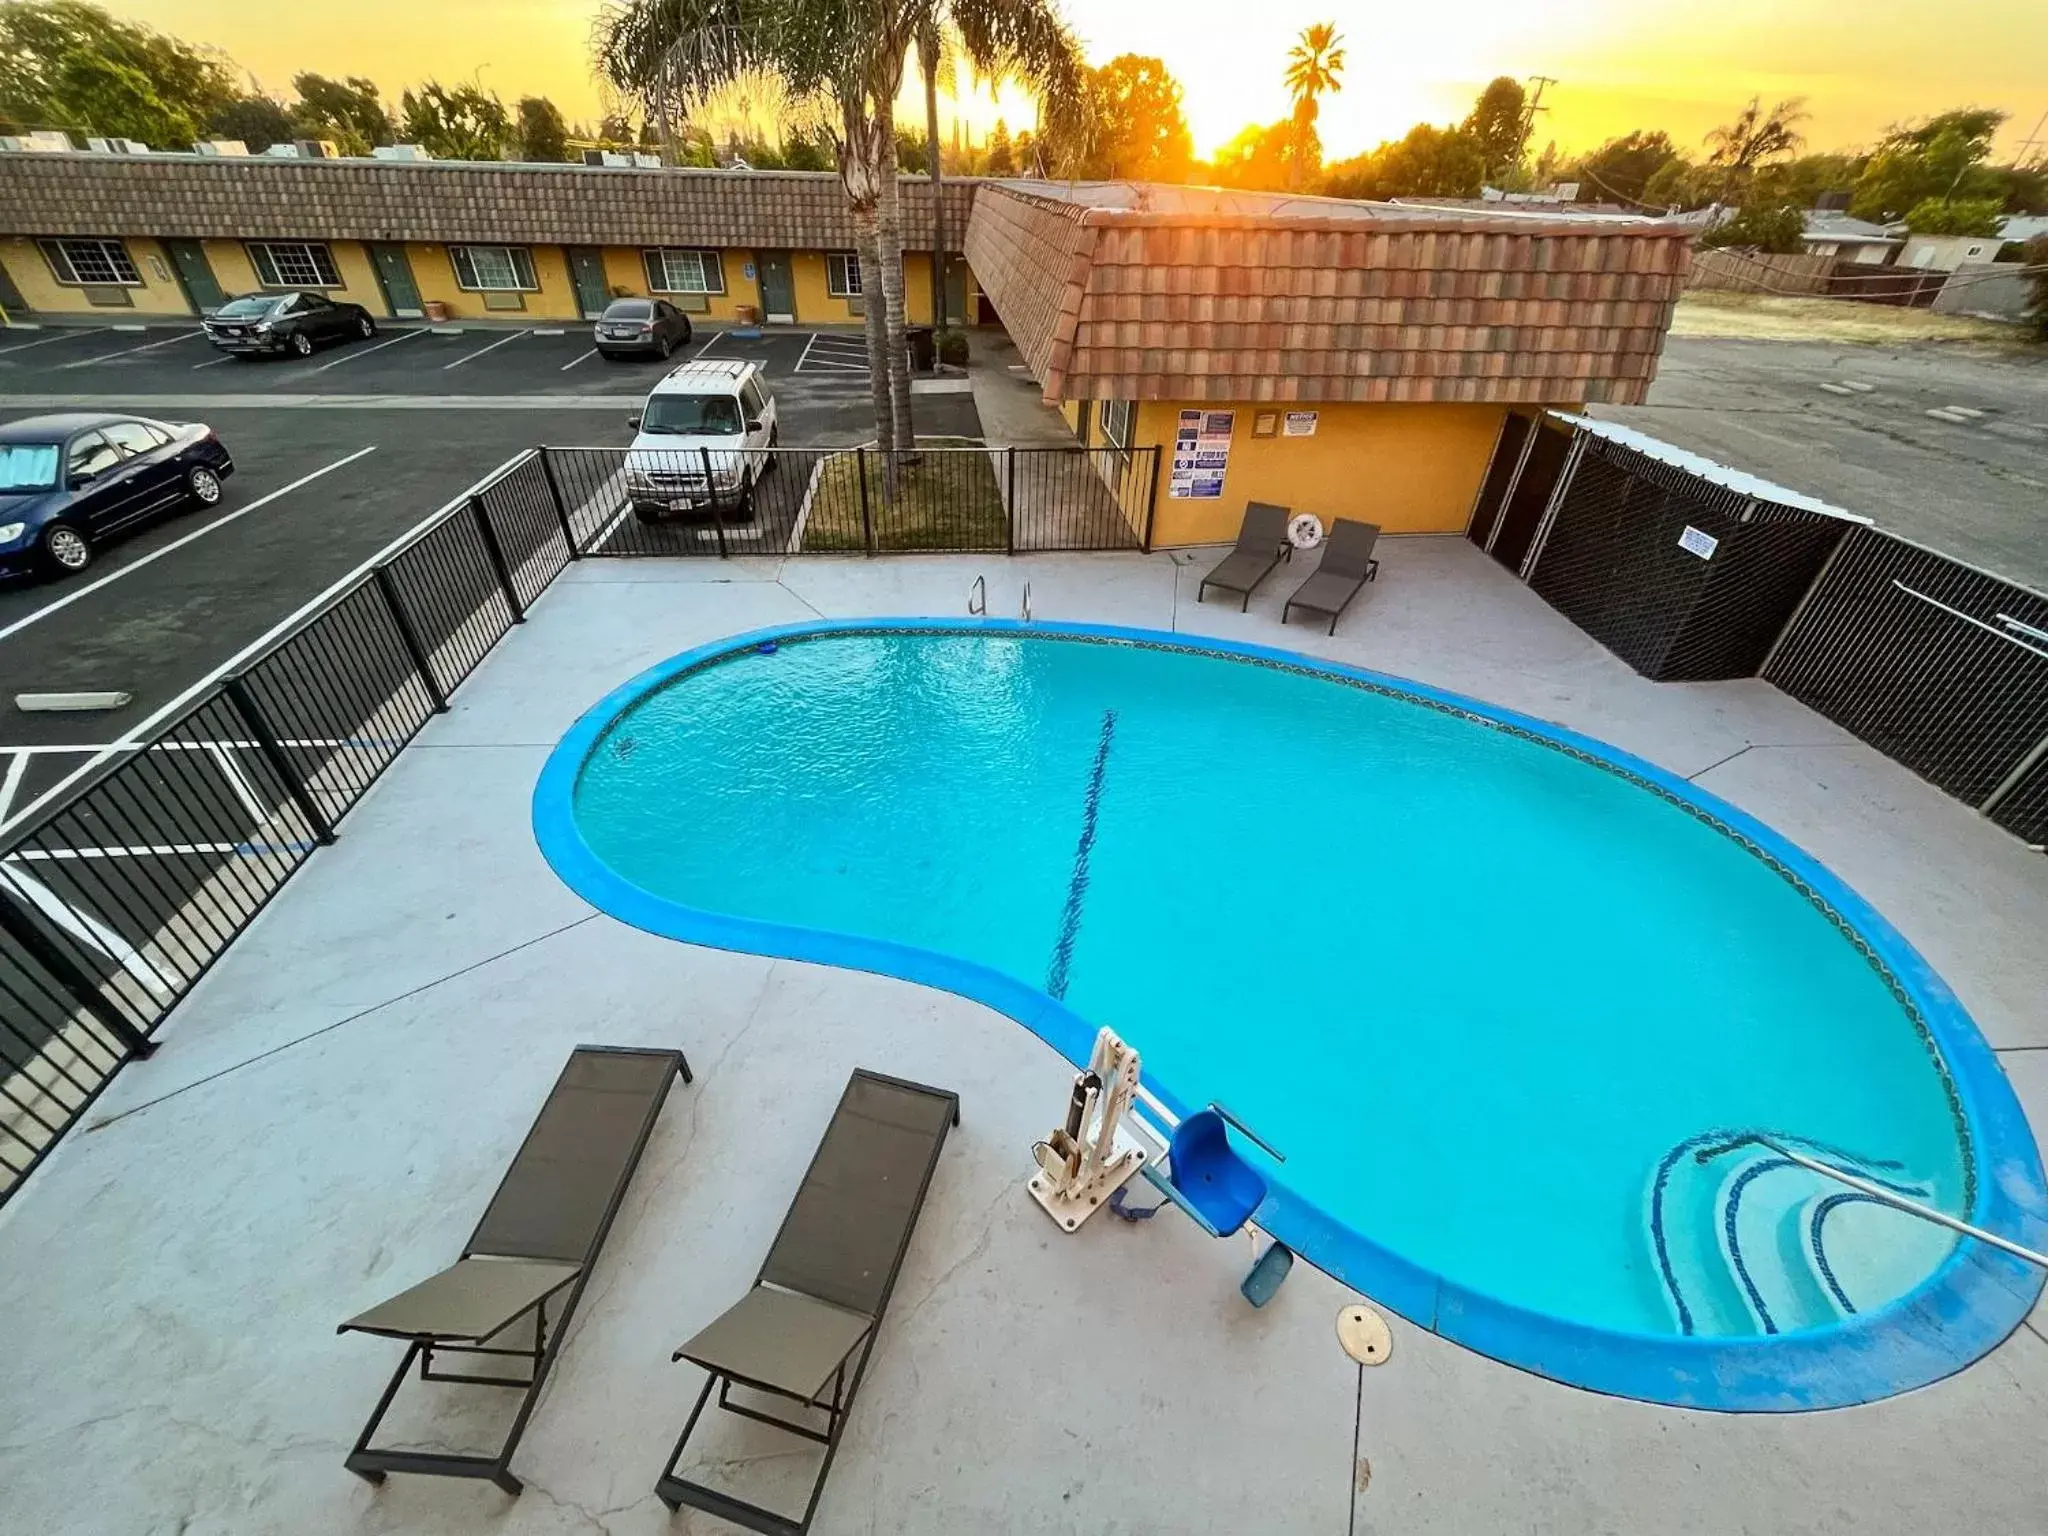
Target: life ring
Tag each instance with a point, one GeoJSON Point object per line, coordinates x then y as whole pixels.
{"type": "Point", "coordinates": [1305, 530]}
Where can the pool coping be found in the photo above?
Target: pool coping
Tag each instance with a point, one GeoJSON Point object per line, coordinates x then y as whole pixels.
{"type": "Point", "coordinates": [1968, 1306]}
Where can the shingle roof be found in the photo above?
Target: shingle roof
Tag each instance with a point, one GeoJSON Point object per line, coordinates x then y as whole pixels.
{"type": "Point", "coordinates": [261, 198]}
{"type": "Point", "coordinates": [1113, 291]}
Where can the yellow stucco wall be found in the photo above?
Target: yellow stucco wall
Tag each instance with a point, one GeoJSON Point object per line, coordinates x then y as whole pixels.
{"type": "Point", "coordinates": [158, 295]}
{"type": "Point", "coordinates": [434, 274]}
{"type": "Point", "coordinates": [625, 267]}
{"type": "Point", "coordinates": [236, 273]}
{"type": "Point", "coordinates": [1408, 468]}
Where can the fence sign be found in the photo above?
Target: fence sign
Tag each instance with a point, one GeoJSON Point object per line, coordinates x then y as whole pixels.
{"type": "Point", "coordinates": [1694, 542]}
{"type": "Point", "coordinates": [1201, 454]}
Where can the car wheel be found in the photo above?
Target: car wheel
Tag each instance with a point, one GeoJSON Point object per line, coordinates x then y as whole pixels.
{"type": "Point", "coordinates": [65, 550]}
{"type": "Point", "coordinates": [204, 485]}
{"type": "Point", "coordinates": [648, 514]}
{"type": "Point", "coordinates": [365, 327]}
{"type": "Point", "coordinates": [689, 333]}
{"type": "Point", "coordinates": [662, 349]}
{"type": "Point", "coordinates": [302, 344]}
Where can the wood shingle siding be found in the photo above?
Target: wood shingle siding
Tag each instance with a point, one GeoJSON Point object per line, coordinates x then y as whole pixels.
{"type": "Point", "coordinates": [1222, 297]}
{"type": "Point", "coordinates": [259, 198]}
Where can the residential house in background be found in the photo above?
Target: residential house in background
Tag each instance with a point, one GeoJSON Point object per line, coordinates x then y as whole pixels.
{"type": "Point", "coordinates": [1830, 232]}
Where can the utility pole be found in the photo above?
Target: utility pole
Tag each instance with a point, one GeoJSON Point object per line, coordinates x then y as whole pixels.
{"type": "Point", "coordinates": [1532, 103]}
{"type": "Point", "coordinates": [2032, 142]}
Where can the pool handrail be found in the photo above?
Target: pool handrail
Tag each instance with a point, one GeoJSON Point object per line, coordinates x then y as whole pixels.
{"type": "Point", "coordinates": [1885, 1196]}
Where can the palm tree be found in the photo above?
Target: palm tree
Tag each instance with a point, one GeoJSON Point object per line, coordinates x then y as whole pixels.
{"type": "Point", "coordinates": [1753, 137]}
{"type": "Point", "coordinates": [1314, 64]}
{"type": "Point", "coordinates": [844, 60]}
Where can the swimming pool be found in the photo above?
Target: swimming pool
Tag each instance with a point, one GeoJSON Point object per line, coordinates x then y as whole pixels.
{"type": "Point", "coordinates": [1507, 999]}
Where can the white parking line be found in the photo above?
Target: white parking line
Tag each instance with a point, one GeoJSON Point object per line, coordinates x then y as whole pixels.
{"type": "Point", "coordinates": [708, 346]}
{"type": "Point", "coordinates": [11, 784]}
{"type": "Point", "coordinates": [809, 343]}
{"type": "Point", "coordinates": [355, 352]}
{"type": "Point", "coordinates": [23, 346]}
{"type": "Point", "coordinates": [147, 346]}
{"type": "Point", "coordinates": [215, 362]}
{"type": "Point", "coordinates": [581, 357]}
{"type": "Point", "coordinates": [157, 554]}
{"type": "Point", "coordinates": [480, 351]}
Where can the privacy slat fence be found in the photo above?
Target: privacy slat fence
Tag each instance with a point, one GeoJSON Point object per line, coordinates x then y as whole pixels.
{"type": "Point", "coordinates": [117, 897]}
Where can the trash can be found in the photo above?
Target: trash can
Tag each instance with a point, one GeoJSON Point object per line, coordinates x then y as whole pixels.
{"type": "Point", "coordinates": [924, 352]}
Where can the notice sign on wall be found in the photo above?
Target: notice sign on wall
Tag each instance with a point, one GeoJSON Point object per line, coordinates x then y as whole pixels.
{"type": "Point", "coordinates": [1695, 542]}
{"type": "Point", "coordinates": [1301, 423]}
{"type": "Point", "coordinates": [1201, 453]}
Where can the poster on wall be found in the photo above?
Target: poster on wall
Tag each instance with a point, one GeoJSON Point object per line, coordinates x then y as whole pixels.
{"type": "Point", "coordinates": [1201, 454]}
{"type": "Point", "coordinates": [1301, 423]}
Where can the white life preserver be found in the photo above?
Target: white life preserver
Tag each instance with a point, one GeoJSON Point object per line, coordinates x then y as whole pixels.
{"type": "Point", "coordinates": [1305, 530]}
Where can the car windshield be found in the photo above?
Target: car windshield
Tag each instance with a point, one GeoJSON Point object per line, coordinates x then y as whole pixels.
{"type": "Point", "coordinates": [691, 416]}
{"type": "Point", "coordinates": [28, 466]}
{"type": "Point", "coordinates": [243, 309]}
{"type": "Point", "coordinates": [630, 309]}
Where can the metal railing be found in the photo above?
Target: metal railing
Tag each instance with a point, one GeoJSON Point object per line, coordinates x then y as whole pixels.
{"type": "Point", "coordinates": [703, 501]}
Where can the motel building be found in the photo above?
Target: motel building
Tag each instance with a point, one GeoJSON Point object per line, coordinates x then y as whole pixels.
{"type": "Point", "coordinates": [1388, 363]}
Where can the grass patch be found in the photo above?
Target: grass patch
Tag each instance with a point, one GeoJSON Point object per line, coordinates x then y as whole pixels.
{"type": "Point", "coordinates": [1775, 317]}
{"type": "Point", "coordinates": [947, 500]}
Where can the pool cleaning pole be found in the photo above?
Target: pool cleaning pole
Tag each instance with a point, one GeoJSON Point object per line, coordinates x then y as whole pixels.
{"type": "Point", "coordinates": [1879, 1193]}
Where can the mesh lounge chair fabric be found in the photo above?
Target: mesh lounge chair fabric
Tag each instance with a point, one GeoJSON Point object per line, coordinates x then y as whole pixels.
{"type": "Point", "coordinates": [538, 1239]}
{"type": "Point", "coordinates": [819, 1299]}
{"type": "Point", "coordinates": [1347, 565]}
{"type": "Point", "coordinates": [1261, 544]}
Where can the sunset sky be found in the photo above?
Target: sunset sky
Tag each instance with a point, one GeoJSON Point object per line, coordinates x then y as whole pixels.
{"type": "Point", "coordinates": [1620, 64]}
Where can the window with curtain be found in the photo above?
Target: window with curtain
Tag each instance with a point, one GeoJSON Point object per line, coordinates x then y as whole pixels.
{"type": "Point", "coordinates": [293, 264]}
{"type": "Point", "coordinates": [842, 274]}
{"type": "Point", "coordinates": [86, 262]}
{"type": "Point", "coordinates": [678, 270]}
{"type": "Point", "coordinates": [493, 268]}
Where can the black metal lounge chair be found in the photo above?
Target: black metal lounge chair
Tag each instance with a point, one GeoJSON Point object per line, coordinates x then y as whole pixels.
{"type": "Point", "coordinates": [539, 1237]}
{"type": "Point", "coordinates": [1347, 565]}
{"type": "Point", "coordinates": [822, 1291]}
{"type": "Point", "coordinates": [1261, 545]}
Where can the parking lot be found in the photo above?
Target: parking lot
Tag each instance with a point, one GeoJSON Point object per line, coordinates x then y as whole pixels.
{"type": "Point", "coordinates": [336, 456]}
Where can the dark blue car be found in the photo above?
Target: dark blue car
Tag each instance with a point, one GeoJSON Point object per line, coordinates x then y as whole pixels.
{"type": "Point", "coordinates": [69, 483]}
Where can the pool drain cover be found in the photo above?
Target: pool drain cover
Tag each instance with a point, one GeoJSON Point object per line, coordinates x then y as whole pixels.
{"type": "Point", "coordinates": [1364, 1335]}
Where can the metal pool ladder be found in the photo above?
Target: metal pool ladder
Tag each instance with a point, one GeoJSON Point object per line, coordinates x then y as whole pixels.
{"type": "Point", "coordinates": [977, 596]}
{"type": "Point", "coordinates": [1884, 1196]}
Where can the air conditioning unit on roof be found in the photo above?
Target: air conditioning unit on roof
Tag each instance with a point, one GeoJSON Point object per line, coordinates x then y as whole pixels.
{"type": "Point", "coordinates": [47, 141]}
{"type": "Point", "coordinates": [230, 148]}
{"type": "Point", "coordinates": [401, 152]}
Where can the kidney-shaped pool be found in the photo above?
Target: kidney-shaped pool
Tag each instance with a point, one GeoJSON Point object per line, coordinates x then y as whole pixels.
{"type": "Point", "coordinates": [1512, 1004]}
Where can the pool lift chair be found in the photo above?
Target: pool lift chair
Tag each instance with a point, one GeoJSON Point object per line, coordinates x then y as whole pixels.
{"type": "Point", "coordinates": [1091, 1156]}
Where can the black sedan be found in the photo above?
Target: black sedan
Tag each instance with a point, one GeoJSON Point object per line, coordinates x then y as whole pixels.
{"type": "Point", "coordinates": [69, 483]}
{"type": "Point", "coordinates": [641, 328]}
{"type": "Point", "coordinates": [259, 323]}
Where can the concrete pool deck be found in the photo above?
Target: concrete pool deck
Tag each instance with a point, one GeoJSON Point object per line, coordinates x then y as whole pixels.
{"type": "Point", "coordinates": [333, 1104]}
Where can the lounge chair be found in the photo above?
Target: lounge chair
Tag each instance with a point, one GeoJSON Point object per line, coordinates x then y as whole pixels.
{"type": "Point", "coordinates": [538, 1240]}
{"type": "Point", "coordinates": [1261, 545]}
{"type": "Point", "coordinates": [1346, 567]}
{"type": "Point", "coordinates": [819, 1298]}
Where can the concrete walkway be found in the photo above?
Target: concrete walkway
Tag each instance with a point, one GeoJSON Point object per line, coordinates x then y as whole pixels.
{"type": "Point", "coordinates": [334, 1103]}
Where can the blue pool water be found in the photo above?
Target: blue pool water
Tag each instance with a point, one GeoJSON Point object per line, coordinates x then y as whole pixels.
{"type": "Point", "coordinates": [1492, 994]}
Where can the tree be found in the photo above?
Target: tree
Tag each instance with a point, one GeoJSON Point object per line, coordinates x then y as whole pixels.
{"type": "Point", "coordinates": [1272, 158]}
{"type": "Point", "coordinates": [1315, 65]}
{"type": "Point", "coordinates": [66, 64]}
{"type": "Point", "coordinates": [2035, 263]}
{"type": "Point", "coordinates": [257, 121]}
{"type": "Point", "coordinates": [462, 123]}
{"type": "Point", "coordinates": [348, 112]}
{"type": "Point", "coordinates": [1752, 137]}
{"type": "Point", "coordinates": [1963, 216]}
{"type": "Point", "coordinates": [803, 152]}
{"type": "Point", "coordinates": [1134, 128]}
{"type": "Point", "coordinates": [1761, 228]}
{"type": "Point", "coordinates": [1620, 170]}
{"type": "Point", "coordinates": [1941, 158]}
{"type": "Point", "coordinates": [1002, 157]}
{"type": "Point", "coordinates": [1681, 184]}
{"type": "Point", "coordinates": [1499, 125]}
{"type": "Point", "coordinates": [543, 135]}
{"type": "Point", "coordinates": [1427, 162]}
{"type": "Point", "coordinates": [910, 152]}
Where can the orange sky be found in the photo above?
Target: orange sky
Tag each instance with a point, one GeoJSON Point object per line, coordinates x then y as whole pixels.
{"type": "Point", "coordinates": [1620, 64]}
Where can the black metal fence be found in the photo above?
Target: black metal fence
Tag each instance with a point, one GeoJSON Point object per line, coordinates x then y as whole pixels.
{"type": "Point", "coordinates": [788, 501]}
{"type": "Point", "coordinates": [114, 902]}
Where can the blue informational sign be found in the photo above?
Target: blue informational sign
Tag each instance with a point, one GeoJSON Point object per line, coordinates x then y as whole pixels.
{"type": "Point", "coordinates": [1201, 455]}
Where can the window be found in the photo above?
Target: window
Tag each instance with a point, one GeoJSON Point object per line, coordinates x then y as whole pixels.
{"type": "Point", "coordinates": [842, 274]}
{"type": "Point", "coordinates": [28, 466]}
{"type": "Point", "coordinates": [91, 455]}
{"type": "Point", "coordinates": [691, 416]}
{"type": "Point", "coordinates": [752, 402]}
{"type": "Point", "coordinates": [132, 437]}
{"type": "Point", "coordinates": [493, 268]}
{"type": "Point", "coordinates": [1117, 416]}
{"type": "Point", "coordinates": [684, 271]}
{"type": "Point", "coordinates": [85, 262]}
{"type": "Point", "coordinates": [294, 264]}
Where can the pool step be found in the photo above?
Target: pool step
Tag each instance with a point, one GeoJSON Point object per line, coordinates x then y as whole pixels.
{"type": "Point", "coordinates": [1745, 1241]}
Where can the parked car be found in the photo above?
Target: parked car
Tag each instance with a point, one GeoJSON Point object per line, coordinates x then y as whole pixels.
{"type": "Point", "coordinates": [713, 416]}
{"type": "Point", "coordinates": [641, 328]}
{"type": "Point", "coordinates": [69, 483]}
{"type": "Point", "coordinates": [258, 323]}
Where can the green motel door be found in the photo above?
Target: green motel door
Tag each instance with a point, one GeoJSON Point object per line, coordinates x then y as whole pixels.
{"type": "Point", "coordinates": [778, 289]}
{"type": "Point", "coordinates": [586, 269]}
{"type": "Point", "coordinates": [195, 276]}
{"type": "Point", "coordinates": [394, 276]}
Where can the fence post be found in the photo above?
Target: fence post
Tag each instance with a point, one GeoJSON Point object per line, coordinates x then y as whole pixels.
{"type": "Point", "coordinates": [1151, 500]}
{"type": "Point", "coordinates": [867, 517]}
{"type": "Point", "coordinates": [496, 553]}
{"type": "Point", "coordinates": [381, 576]}
{"type": "Point", "coordinates": [711, 490]}
{"type": "Point", "coordinates": [547, 469]}
{"type": "Point", "coordinates": [76, 983]}
{"type": "Point", "coordinates": [1558, 492]}
{"type": "Point", "coordinates": [1010, 500]}
{"type": "Point", "coordinates": [245, 705]}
